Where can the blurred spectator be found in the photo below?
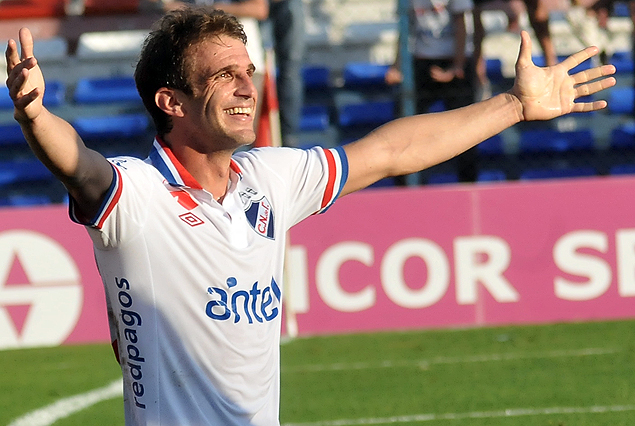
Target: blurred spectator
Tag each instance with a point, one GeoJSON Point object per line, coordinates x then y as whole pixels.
{"type": "Point", "coordinates": [589, 23]}
{"type": "Point", "coordinates": [513, 9]}
{"type": "Point", "coordinates": [443, 66]}
{"type": "Point", "coordinates": [286, 19]}
{"type": "Point", "coordinates": [538, 14]}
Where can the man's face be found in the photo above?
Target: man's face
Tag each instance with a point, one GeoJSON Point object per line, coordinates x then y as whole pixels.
{"type": "Point", "coordinates": [223, 105]}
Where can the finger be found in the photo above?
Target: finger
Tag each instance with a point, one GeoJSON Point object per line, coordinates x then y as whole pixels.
{"type": "Point", "coordinates": [593, 73]}
{"type": "Point", "coordinates": [594, 86]}
{"type": "Point", "coordinates": [577, 58]}
{"type": "Point", "coordinates": [589, 106]}
{"type": "Point", "coordinates": [26, 43]}
{"type": "Point", "coordinates": [17, 83]}
{"type": "Point", "coordinates": [21, 100]}
{"type": "Point", "coordinates": [14, 72]}
{"type": "Point", "coordinates": [11, 54]}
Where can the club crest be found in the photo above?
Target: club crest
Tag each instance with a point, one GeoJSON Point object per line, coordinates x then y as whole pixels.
{"type": "Point", "coordinates": [260, 217]}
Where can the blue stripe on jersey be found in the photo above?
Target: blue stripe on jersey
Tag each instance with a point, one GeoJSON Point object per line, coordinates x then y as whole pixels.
{"type": "Point", "coordinates": [344, 176]}
{"type": "Point", "coordinates": [72, 206]}
{"type": "Point", "coordinates": [342, 171]}
{"type": "Point", "coordinates": [159, 163]}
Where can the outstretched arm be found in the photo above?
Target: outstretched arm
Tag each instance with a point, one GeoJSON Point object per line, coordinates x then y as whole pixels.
{"type": "Point", "coordinates": [86, 174]}
{"type": "Point", "coordinates": [411, 144]}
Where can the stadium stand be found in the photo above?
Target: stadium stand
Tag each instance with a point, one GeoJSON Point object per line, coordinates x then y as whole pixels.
{"type": "Point", "coordinates": [553, 141]}
{"type": "Point", "coordinates": [106, 90]}
{"type": "Point", "coordinates": [557, 173]}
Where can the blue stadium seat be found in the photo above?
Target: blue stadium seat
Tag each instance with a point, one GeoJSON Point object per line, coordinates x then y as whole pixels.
{"type": "Point", "coordinates": [491, 176]}
{"type": "Point", "coordinates": [533, 174]}
{"type": "Point", "coordinates": [492, 146]}
{"type": "Point", "coordinates": [623, 62]}
{"type": "Point", "coordinates": [108, 127]}
{"type": "Point", "coordinates": [494, 69]}
{"type": "Point", "coordinates": [5, 99]}
{"type": "Point", "coordinates": [11, 134]}
{"type": "Point", "coordinates": [369, 113]}
{"type": "Point", "coordinates": [24, 200]}
{"type": "Point", "coordinates": [437, 106]}
{"type": "Point", "coordinates": [620, 100]}
{"type": "Point", "coordinates": [18, 171]}
{"type": "Point", "coordinates": [106, 90]}
{"type": "Point", "coordinates": [622, 169]}
{"type": "Point", "coordinates": [384, 183]}
{"type": "Point", "coordinates": [547, 140]}
{"type": "Point", "coordinates": [442, 178]}
{"type": "Point", "coordinates": [623, 137]}
{"type": "Point", "coordinates": [620, 9]}
{"type": "Point", "coordinates": [316, 77]}
{"type": "Point", "coordinates": [364, 74]}
{"type": "Point", "coordinates": [54, 94]}
{"type": "Point", "coordinates": [314, 117]}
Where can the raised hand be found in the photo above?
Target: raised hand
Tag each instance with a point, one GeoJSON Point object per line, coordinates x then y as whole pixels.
{"type": "Point", "coordinates": [546, 93]}
{"type": "Point", "coordinates": [24, 78]}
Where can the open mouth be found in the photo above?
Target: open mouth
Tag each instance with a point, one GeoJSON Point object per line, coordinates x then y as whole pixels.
{"type": "Point", "coordinates": [239, 110]}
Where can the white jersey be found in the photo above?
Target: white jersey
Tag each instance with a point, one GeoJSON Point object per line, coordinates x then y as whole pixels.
{"type": "Point", "coordinates": [194, 287]}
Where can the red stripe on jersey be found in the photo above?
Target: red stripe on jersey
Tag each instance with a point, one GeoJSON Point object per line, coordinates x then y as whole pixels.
{"type": "Point", "coordinates": [113, 201]}
{"type": "Point", "coordinates": [328, 193]}
{"type": "Point", "coordinates": [187, 178]}
{"type": "Point", "coordinates": [184, 199]}
{"type": "Point", "coordinates": [235, 168]}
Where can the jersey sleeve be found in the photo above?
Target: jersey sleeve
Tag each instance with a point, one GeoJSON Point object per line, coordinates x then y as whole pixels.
{"type": "Point", "coordinates": [124, 209]}
{"type": "Point", "coordinates": [309, 180]}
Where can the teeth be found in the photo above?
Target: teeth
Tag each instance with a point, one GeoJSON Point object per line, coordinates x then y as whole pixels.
{"type": "Point", "coordinates": [232, 111]}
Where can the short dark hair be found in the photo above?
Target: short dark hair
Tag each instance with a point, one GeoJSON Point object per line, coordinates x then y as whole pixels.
{"type": "Point", "coordinates": [163, 62]}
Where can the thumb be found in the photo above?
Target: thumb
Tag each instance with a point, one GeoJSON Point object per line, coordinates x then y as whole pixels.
{"type": "Point", "coordinates": [524, 54]}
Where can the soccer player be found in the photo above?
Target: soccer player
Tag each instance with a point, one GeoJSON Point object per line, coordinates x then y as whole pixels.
{"type": "Point", "coordinates": [190, 242]}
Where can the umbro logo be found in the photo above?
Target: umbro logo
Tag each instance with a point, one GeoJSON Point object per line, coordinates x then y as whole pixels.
{"type": "Point", "coordinates": [191, 219]}
{"type": "Point", "coordinates": [186, 201]}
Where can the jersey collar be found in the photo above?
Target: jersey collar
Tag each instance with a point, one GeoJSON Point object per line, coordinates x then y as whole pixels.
{"type": "Point", "coordinates": [163, 159]}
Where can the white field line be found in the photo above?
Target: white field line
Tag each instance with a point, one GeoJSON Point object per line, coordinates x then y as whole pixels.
{"type": "Point", "coordinates": [425, 363]}
{"type": "Point", "coordinates": [510, 412]}
{"type": "Point", "coordinates": [63, 408]}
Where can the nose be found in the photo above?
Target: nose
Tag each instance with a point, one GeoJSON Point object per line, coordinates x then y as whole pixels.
{"type": "Point", "coordinates": [246, 87]}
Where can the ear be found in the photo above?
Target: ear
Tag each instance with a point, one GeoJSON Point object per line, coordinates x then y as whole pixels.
{"type": "Point", "coordinates": [168, 101]}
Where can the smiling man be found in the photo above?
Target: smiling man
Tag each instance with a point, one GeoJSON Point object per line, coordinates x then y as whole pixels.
{"type": "Point", "coordinates": [190, 241]}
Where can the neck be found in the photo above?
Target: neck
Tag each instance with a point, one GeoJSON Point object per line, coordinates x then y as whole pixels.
{"type": "Point", "coordinates": [211, 170]}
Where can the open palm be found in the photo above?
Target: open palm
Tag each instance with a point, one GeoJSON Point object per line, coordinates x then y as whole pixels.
{"type": "Point", "coordinates": [546, 93]}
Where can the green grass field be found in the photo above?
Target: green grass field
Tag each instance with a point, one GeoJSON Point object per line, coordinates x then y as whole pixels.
{"type": "Point", "coordinates": [564, 375]}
